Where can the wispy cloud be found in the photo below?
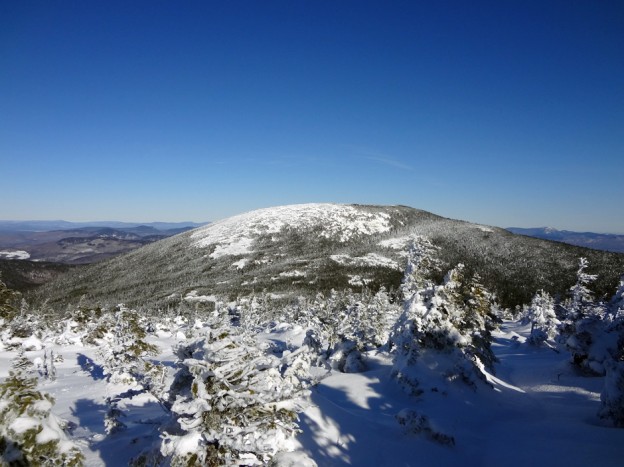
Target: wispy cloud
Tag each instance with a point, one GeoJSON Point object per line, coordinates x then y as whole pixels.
{"type": "Point", "coordinates": [371, 154]}
{"type": "Point", "coordinates": [390, 162]}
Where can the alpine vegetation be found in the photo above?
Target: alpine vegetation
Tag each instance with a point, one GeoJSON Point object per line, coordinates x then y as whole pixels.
{"type": "Point", "coordinates": [29, 433]}
{"type": "Point", "coordinates": [233, 403]}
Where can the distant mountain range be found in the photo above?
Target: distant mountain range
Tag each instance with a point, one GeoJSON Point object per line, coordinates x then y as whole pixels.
{"type": "Point", "coordinates": [606, 242]}
{"type": "Point", "coordinates": [46, 226]}
{"type": "Point", "coordinates": [80, 242]}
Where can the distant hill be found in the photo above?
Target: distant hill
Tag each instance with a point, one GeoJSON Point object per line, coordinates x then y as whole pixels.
{"type": "Point", "coordinates": [606, 242]}
{"type": "Point", "coordinates": [75, 243]}
{"type": "Point", "coordinates": [46, 226]}
{"type": "Point", "coordinates": [302, 250]}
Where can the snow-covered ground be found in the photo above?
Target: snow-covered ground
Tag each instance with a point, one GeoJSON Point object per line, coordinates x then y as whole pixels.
{"type": "Point", "coordinates": [539, 411]}
{"type": "Point", "coordinates": [370, 260]}
{"type": "Point", "coordinates": [14, 254]}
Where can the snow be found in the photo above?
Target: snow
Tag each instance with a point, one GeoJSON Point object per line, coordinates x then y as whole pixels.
{"type": "Point", "coordinates": [240, 264]}
{"type": "Point", "coordinates": [238, 246]}
{"type": "Point", "coordinates": [32, 343]}
{"type": "Point", "coordinates": [542, 412]}
{"type": "Point", "coordinates": [359, 281]}
{"type": "Point", "coordinates": [15, 254]}
{"type": "Point", "coordinates": [294, 273]}
{"type": "Point", "coordinates": [235, 235]}
{"type": "Point", "coordinates": [194, 297]}
{"type": "Point", "coordinates": [397, 243]}
{"type": "Point", "coordinates": [23, 424]}
{"type": "Point", "coordinates": [539, 411]}
{"type": "Point", "coordinates": [370, 260]}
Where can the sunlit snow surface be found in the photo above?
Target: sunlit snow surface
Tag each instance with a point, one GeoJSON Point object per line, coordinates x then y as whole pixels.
{"type": "Point", "coordinates": [15, 254]}
{"type": "Point", "coordinates": [235, 235]}
{"type": "Point", "coordinates": [538, 410]}
{"type": "Point", "coordinates": [370, 260]}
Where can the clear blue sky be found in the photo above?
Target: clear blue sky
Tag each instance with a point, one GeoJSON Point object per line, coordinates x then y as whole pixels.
{"type": "Point", "coordinates": [508, 113]}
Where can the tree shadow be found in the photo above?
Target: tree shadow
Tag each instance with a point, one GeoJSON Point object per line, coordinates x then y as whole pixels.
{"type": "Point", "coordinates": [88, 365]}
{"type": "Point", "coordinates": [141, 431]}
{"type": "Point", "coordinates": [345, 430]}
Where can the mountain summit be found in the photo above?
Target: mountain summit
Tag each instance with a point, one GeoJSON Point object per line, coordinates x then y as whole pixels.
{"type": "Point", "coordinates": [305, 249]}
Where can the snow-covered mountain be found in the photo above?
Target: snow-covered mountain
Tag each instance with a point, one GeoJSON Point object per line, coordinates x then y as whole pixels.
{"type": "Point", "coordinates": [305, 249]}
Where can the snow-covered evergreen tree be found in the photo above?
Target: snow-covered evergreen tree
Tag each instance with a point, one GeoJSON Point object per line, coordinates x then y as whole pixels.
{"type": "Point", "coordinates": [581, 298]}
{"type": "Point", "coordinates": [616, 305]}
{"type": "Point", "coordinates": [29, 433]}
{"type": "Point", "coordinates": [612, 396]}
{"type": "Point", "coordinates": [541, 314]}
{"type": "Point", "coordinates": [584, 324]}
{"type": "Point", "coordinates": [454, 319]}
{"type": "Point", "coordinates": [234, 403]}
{"type": "Point", "coordinates": [125, 349]}
{"type": "Point", "coordinates": [9, 300]}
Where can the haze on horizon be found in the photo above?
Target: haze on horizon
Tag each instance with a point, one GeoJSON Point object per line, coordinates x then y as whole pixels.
{"type": "Point", "coordinates": [508, 114]}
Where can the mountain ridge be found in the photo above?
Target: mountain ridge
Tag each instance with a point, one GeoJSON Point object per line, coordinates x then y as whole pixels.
{"type": "Point", "coordinates": [301, 250]}
{"type": "Point", "coordinates": [44, 225]}
{"type": "Point", "coordinates": [598, 241]}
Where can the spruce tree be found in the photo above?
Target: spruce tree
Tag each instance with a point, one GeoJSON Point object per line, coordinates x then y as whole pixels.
{"type": "Point", "coordinates": [541, 314]}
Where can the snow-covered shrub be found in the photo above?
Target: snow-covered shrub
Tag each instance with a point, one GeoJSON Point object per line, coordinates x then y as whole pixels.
{"type": "Point", "coordinates": [29, 433]}
{"type": "Point", "coordinates": [612, 397]}
{"type": "Point", "coordinates": [541, 314]}
{"type": "Point", "coordinates": [234, 404]}
{"type": "Point", "coordinates": [124, 350]}
{"type": "Point", "coordinates": [19, 326]}
{"type": "Point", "coordinates": [367, 319]}
{"type": "Point", "coordinates": [123, 355]}
{"type": "Point", "coordinates": [346, 357]}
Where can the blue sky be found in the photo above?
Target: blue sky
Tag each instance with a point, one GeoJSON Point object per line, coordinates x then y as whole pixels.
{"type": "Point", "coordinates": [504, 113]}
